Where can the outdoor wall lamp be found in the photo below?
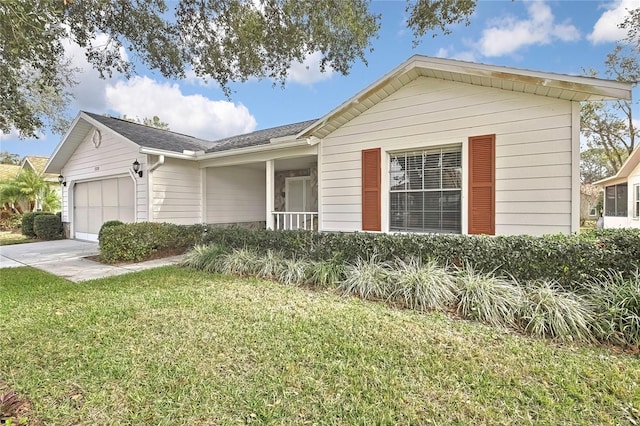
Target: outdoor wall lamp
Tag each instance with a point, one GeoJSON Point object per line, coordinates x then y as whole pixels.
{"type": "Point", "coordinates": [136, 168]}
{"type": "Point", "coordinates": [61, 180]}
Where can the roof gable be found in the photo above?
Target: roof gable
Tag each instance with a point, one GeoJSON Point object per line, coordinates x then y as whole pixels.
{"type": "Point", "coordinates": [259, 137]}
{"type": "Point", "coordinates": [560, 86]}
{"type": "Point", "coordinates": [627, 168]}
{"type": "Point", "coordinates": [9, 171]}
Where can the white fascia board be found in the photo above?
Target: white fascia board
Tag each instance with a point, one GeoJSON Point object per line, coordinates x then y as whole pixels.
{"type": "Point", "coordinates": [252, 149]}
{"type": "Point", "coordinates": [185, 155]}
{"type": "Point", "coordinates": [56, 151]}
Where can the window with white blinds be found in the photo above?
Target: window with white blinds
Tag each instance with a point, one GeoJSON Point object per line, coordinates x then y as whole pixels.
{"type": "Point", "coordinates": [426, 187]}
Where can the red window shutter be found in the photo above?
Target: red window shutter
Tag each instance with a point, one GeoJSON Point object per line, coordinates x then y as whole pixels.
{"type": "Point", "coordinates": [482, 183]}
{"type": "Point", "coordinates": [371, 190]}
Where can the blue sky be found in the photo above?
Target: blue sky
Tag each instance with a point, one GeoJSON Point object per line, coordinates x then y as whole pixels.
{"type": "Point", "coordinates": [555, 36]}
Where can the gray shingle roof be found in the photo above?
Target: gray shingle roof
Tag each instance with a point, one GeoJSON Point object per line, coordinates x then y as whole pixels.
{"type": "Point", "coordinates": [152, 137]}
{"type": "Point", "coordinates": [259, 137]}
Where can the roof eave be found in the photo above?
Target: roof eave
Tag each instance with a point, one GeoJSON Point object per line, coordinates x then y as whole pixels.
{"type": "Point", "coordinates": [594, 89]}
{"type": "Point", "coordinates": [256, 148]}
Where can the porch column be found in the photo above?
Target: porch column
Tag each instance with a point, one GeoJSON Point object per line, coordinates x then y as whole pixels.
{"type": "Point", "coordinates": [270, 188]}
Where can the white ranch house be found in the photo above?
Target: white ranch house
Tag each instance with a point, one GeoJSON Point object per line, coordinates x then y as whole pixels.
{"type": "Point", "coordinates": [436, 145]}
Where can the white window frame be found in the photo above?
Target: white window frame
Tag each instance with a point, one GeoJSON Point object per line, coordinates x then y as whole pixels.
{"type": "Point", "coordinates": [386, 187]}
{"type": "Point", "coordinates": [636, 201]}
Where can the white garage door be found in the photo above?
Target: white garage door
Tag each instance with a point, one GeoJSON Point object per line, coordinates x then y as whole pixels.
{"type": "Point", "coordinates": [99, 201]}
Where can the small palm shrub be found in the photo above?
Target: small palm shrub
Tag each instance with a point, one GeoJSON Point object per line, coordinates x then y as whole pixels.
{"type": "Point", "coordinates": [205, 258]}
{"type": "Point", "coordinates": [294, 272]}
{"type": "Point", "coordinates": [327, 273]}
{"type": "Point", "coordinates": [368, 279]}
{"type": "Point", "coordinates": [422, 286]}
{"type": "Point", "coordinates": [270, 265]}
{"type": "Point", "coordinates": [486, 298]}
{"type": "Point", "coordinates": [240, 262]}
{"type": "Point", "coordinates": [616, 301]}
{"type": "Point", "coordinates": [549, 311]}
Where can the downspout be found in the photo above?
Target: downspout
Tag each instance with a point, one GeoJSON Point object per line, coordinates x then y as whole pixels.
{"type": "Point", "coordinates": [157, 164]}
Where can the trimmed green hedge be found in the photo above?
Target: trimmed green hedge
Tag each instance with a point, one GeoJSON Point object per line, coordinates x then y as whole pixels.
{"type": "Point", "coordinates": [133, 242]}
{"type": "Point", "coordinates": [47, 226]}
{"type": "Point", "coordinates": [28, 222]}
{"type": "Point", "coordinates": [569, 259]}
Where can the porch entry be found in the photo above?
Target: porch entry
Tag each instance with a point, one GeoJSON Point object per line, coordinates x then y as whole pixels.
{"type": "Point", "coordinates": [299, 205]}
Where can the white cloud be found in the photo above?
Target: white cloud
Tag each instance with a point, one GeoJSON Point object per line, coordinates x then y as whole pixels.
{"type": "Point", "coordinates": [89, 93]}
{"type": "Point", "coordinates": [510, 34]}
{"type": "Point", "coordinates": [308, 71]}
{"type": "Point", "coordinates": [194, 115]}
{"type": "Point", "coordinates": [606, 28]}
{"type": "Point", "coordinates": [13, 134]}
{"type": "Point", "coordinates": [465, 55]}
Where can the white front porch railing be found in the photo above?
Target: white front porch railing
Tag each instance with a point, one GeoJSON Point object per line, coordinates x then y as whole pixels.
{"type": "Point", "coordinates": [295, 220]}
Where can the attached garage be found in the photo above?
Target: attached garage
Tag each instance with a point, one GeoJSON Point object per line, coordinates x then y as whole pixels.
{"type": "Point", "coordinates": [98, 201]}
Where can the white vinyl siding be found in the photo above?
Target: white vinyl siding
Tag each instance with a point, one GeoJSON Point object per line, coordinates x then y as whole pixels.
{"type": "Point", "coordinates": [112, 158]}
{"type": "Point", "coordinates": [235, 194]}
{"type": "Point", "coordinates": [176, 194]}
{"type": "Point", "coordinates": [533, 151]}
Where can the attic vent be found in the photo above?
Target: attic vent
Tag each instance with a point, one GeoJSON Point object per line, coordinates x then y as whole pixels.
{"type": "Point", "coordinates": [96, 138]}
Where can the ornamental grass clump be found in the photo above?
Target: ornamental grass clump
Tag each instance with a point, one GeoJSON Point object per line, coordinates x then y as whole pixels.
{"type": "Point", "coordinates": [486, 298]}
{"type": "Point", "coordinates": [549, 311]}
{"type": "Point", "coordinates": [616, 302]}
{"type": "Point", "coordinates": [205, 258]}
{"type": "Point", "coordinates": [294, 272]}
{"type": "Point", "coordinates": [422, 286]}
{"type": "Point", "coordinates": [368, 279]}
{"type": "Point", "coordinates": [327, 273]}
{"type": "Point", "coordinates": [241, 262]}
{"type": "Point", "coordinates": [270, 265]}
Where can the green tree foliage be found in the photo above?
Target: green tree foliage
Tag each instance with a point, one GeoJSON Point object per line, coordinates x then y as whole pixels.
{"type": "Point", "coordinates": [608, 126]}
{"type": "Point", "coordinates": [8, 158]}
{"type": "Point", "coordinates": [151, 122]}
{"type": "Point", "coordinates": [31, 188]}
{"type": "Point", "coordinates": [223, 40]}
{"type": "Point", "coordinates": [594, 165]}
{"type": "Point", "coordinates": [632, 25]}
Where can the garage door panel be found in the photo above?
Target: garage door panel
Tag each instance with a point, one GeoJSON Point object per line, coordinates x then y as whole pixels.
{"type": "Point", "coordinates": [95, 193]}
{"type": "Point", "coordinates": [95, 219]}
{"type": "Point", "coordinates": [98, 201]}
{"type": "Point", "coordinates": [110, 193]}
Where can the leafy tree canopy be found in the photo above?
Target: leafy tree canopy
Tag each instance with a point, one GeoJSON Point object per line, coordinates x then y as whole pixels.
{"type": "Point", "coordinates": [608, 126]}
{"type": "Point", "coordinates": [223, 40]}
{"type": "Point", "coordinates": [151, 122]}
{"type": "Point", "coordinates": [8, 158]}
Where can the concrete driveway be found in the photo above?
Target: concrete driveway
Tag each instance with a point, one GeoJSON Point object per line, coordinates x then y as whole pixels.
{"type": "Point", "coordinates": [67, 259]}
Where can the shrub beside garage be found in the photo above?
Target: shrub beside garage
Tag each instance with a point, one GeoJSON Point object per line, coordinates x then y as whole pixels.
{"type": "Point", "coordinates": [42, 225]}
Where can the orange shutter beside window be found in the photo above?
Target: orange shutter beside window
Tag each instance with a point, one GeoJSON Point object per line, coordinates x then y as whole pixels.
{"type": "Point", "coordinates": [371, 220]}
{"type": "Point", "coordinates": [482, 182]}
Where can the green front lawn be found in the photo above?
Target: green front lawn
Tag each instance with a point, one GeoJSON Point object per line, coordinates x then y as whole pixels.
{"type": "Point", "coordinates": [9, 238]}
{"type": "Point", "coordinates": [176, 346]}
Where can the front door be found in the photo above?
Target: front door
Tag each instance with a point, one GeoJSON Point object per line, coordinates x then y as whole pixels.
{"type": "Point", "coordinates": [298, 200]}
{"type": "Point", "coordinates": [298, 194]}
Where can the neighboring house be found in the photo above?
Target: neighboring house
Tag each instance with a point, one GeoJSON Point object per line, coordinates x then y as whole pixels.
{"type": "Point", "coordinates": [590, 198]}
{"type": "Point", "coordinates": [622, 195]}
{"type": "Point", "coordinates": [31, 163]}
{"type": "Point", "coordinates": [9, 171]}
{"type": "Point", "coordinates": [37, 165]}
{"type": "Point", "coordinates": [436, 145]}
